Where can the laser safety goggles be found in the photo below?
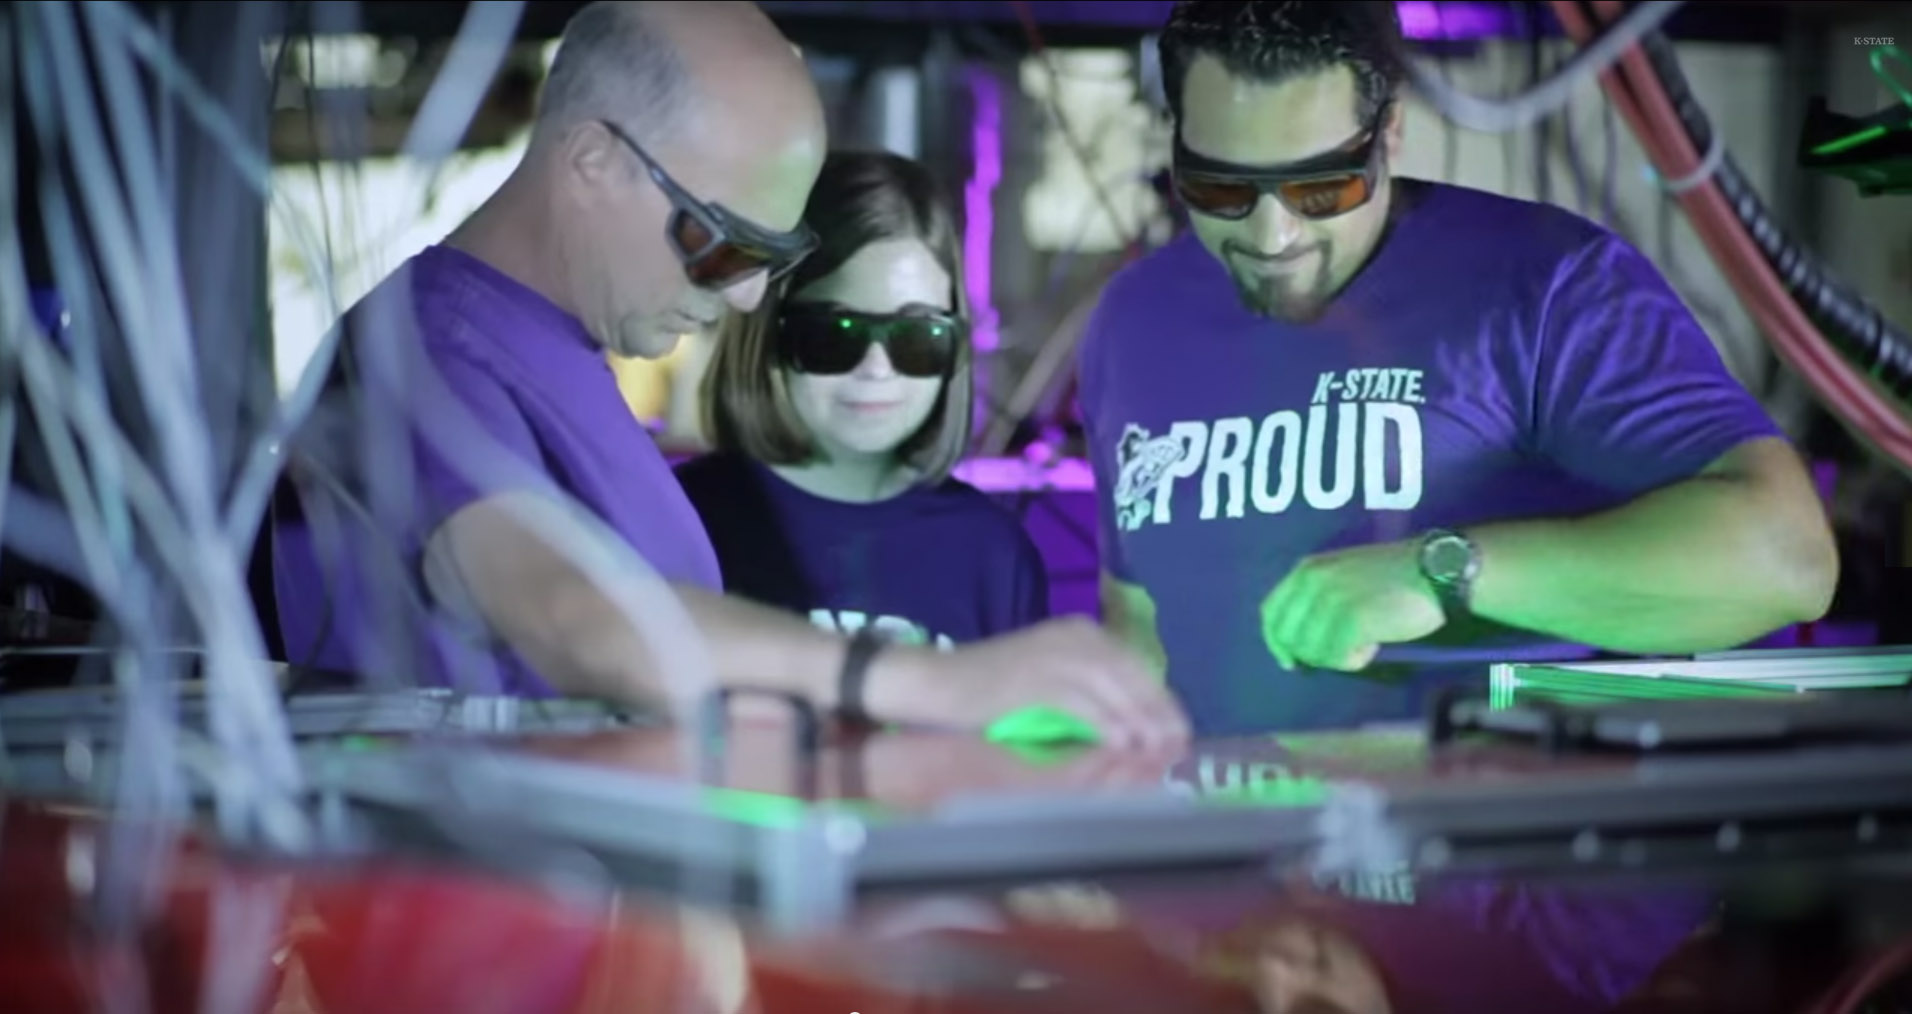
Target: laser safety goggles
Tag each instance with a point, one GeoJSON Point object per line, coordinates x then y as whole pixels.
{"type": "Point", "coordinates": [1324, 186]}
{"type": "Point", "coordinates": [718, 247]}
{"type": "Point", "coordinates": [829, 341]}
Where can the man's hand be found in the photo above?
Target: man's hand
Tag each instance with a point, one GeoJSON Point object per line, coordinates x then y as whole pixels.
{"type": "Point", "coordinates": [1336, 610]}
{"type": "Point", "coordinates": [1069, 664]}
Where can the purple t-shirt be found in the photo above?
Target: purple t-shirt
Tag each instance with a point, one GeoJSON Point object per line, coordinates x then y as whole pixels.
{"type": "Point", "coordinates": [1496, 360]}
{"type": "Point", "coordinates": [941, 564]}
{"type": "Point", "coordinates": [529, 404]}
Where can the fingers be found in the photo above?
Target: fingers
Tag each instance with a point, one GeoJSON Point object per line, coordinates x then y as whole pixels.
{"type": "Point", "coordinates": [1305, 624]}
{"type": "Point", "coordinates": [1149, 714]}
{"type": "Point", "coordinates": [1136, 709]}
{"type": "Point", "coordinates": [1284, 621]}
{"type": "Point", "coordinates": [1141, 714]}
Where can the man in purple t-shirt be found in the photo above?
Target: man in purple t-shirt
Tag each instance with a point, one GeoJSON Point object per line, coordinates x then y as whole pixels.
{"type": "Point", "coordinates": [1357, 434]}
{"type": "Point", "coordinates": [674, 149]}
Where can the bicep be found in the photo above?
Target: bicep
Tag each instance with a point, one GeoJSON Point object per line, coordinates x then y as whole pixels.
{"type": "Point", "coordinates": [485, 563]}
{"type": "Point", "coordinates": [490, 563]}
{"type": "Point", "coordinates": [1630, 393]}
{"type": "Point", "coordinates": [470, 442]}
{"type": "Point", "coordinates": [1773, 471]}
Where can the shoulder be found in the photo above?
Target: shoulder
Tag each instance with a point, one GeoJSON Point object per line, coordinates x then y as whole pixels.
{"type": "Point", "coordinates": [416, 322]}
{"type": "Point", "coordinates": [1522, 237]}
{"type": "Point", "coordinates": [1174, 270]}
{"type": "Point", "coordinates": [429, 312]}
{"type": "Point", "coordinates": [1555, 265]}
{"type": "Point", "coordinates": [710, 476]}
{"type": "Point", "coordinates": [985, 521]}
{"type": "Point", "coordinates": [1180, 274]}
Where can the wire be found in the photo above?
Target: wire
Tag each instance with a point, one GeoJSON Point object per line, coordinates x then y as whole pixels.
{"type": "Point", "coordinates": [258, 470]}
{"type": "Point", "coordinates": [1033, 30]}
{"type": "Point", "coordinates": [1880, 54]}
{"type": "Point", "coordinates": [1609, 166]}
{"type": "Point", "coordinates": [1709, 164]}
{"type": "Point", "coordinates": [1850, 993]}
{"type": "Point", "coordinates": [242, 715]}
{"type": "Point", "coordinates": [1450, 131]}
{"type": "Point", "coordinates": [1537, 72]}
{"type": "Point", "coordinates": [1499, 116]}
{"type": "Point", "coordinates": [1660, 130]}
{"type": "Point", "coordinates": [1860, 330]}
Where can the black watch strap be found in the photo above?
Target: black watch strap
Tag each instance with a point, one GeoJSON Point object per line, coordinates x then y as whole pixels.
{"type": "Point", "coordinates": [1449, 562]}
{"type": "Point", "coordinates": [863, 648]}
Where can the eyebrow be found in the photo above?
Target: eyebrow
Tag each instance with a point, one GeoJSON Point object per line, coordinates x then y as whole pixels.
{"type": "Point", "coordinates": [1346, 150]}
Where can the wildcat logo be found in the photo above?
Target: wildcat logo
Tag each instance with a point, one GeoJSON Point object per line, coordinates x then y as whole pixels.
{"type": "Point", "coordinates": [1358, 444]}
{"type": "Point", "coordinates": [1142, 462]}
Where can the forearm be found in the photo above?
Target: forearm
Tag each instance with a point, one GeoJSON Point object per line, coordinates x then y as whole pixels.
{"type": "Point", "coordinates": [487, 561]}
{"type": "Point", "coordinates": [1697, 566]}
{"type": "Point", "coordinates": [747, 645]}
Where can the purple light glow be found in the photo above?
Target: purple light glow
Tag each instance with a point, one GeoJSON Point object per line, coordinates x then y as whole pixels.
{"type": "Point", "coordinates": [1019, 475]}
{"type": "Point", "coordinates": [979, 212]}
{"type": "Point", "coordinates": [1427, 20]}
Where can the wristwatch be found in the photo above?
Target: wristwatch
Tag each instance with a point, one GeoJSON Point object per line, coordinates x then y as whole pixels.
{"type": "Point", "coordinates": [1449, 563]}
{"type": "Point", "coordinates": [862, 650]}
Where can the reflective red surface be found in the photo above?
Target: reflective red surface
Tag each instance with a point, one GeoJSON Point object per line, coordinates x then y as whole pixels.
{"type": "Point", "coordinates": [273, 937]}
{"type": "Point", "coordinates": [229, 934]}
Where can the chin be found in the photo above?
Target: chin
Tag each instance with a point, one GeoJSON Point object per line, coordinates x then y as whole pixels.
{"type": "Point", "coordinates": [865, 446]}
{"type": "Point", "coordinates": [648, 344]}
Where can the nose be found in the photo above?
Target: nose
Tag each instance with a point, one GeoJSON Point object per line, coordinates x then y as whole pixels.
{"type": "Point", "coordinates": [1273, 228]}
{"type": "Point", "coordinates": [746, 294]}
{"type": "Point", "coordinates": [875, 364]}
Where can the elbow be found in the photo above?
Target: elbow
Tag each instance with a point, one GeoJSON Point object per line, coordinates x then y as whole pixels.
{"type": "Point", "coordinates": [1815, 579]}
{"type": "Point", "coordinates": [562, 633]}
{"type": "Point", "coordinates": [1804, 572]}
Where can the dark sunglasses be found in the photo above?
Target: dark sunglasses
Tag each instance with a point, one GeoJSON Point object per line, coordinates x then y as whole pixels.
{"type": "Point", "coordinates": [1333, 183]}
{"type": "Point", "coordinates": [830, 342]}
{"type": "Point", "coordinates": [718, 247]}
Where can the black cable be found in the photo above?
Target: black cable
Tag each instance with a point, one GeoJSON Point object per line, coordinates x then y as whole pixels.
{"type": "Point", "coordinates": [1450, 131]}
{"type": "Point", "coordinates": [1609, 164]}
{"type": "Point", "coordinates": [1712, 317]}
{"type": "Point", "coordinates": [1543, 127]}
{"type": "Point", "coordinates": [1576, 165]}
{"type": "Point", "coordinates": [1854, 325]}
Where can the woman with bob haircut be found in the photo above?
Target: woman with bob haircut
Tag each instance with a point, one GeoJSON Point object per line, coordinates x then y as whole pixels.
{"type": "Point", "coordinates": [838, 409]}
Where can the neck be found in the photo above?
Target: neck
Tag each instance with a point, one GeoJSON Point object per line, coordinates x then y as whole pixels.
{"type": "Point", "coordinates": [514, 232]}
{"type": "Point", "coordinates": [851, 480]}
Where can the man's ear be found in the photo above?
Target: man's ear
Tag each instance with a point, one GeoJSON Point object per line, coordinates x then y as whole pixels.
{"type": "Point", "coordinates": [589, 152]}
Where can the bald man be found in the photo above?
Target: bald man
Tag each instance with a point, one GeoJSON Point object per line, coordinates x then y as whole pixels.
{"type": "Point", "coordinates": [665, 181]}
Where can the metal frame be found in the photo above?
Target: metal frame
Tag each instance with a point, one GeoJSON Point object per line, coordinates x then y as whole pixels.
{"type": "Point", "coordinates": [50, 719]}
{"type": "Point", "coordinates": [808, 864]}
{"type": "Point", "coordinates": [810, 870]}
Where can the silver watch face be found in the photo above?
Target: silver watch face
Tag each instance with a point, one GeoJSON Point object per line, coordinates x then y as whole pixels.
{"type": "Point", "coordinates": [1447, 558]}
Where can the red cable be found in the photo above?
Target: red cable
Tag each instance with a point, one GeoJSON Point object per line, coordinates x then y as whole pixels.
{"type": "Point", "coordinates": [1635, 90]}
{"type": "Point", "coordinates": [1794, 336]}
{"type": "Point", "coordinates": [1849, 994]}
